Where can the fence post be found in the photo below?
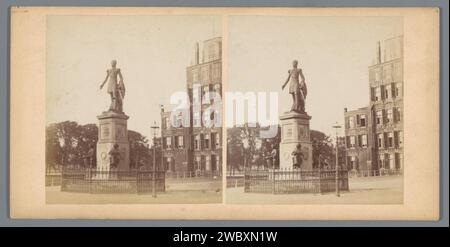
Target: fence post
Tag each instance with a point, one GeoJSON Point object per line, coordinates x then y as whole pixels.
{"type": "Point", "coordinates": [90, 180]}
{"type": "Point", "coordinates": [273, 177]}
{"type": "Point", "coordinates": [320, 176]}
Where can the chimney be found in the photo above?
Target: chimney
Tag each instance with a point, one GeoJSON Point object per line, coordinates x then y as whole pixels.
{"type": "Point", "coordinates": [197, 54]}
{"type": "Point", "coordinates": [378, 52]}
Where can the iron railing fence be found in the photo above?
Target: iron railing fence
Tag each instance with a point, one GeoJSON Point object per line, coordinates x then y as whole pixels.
{"type": "Point", "coordinates": [193, 174]}
{"type": "Point", "coordinates": [289, 181]}
{"type": "Point", "coordinates": [111, 181]}
{"type": "Point", "coordinates": [373, 173]}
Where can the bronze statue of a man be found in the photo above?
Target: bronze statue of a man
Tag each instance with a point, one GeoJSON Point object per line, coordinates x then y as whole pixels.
{"type": "Point", "coordinates": [297, 88]}
{"type": "Point", "coordinates": [116, 88]}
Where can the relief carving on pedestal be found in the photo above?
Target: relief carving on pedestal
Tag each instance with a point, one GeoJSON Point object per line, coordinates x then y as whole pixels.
{"type": "Point", "coordinates": [303, 133]}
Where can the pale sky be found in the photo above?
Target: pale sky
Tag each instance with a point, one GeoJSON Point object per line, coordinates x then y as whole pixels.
{"type": "Point", "coordinates": [334, 53]}
{"type": "Point", "coordinates": [152, 52]}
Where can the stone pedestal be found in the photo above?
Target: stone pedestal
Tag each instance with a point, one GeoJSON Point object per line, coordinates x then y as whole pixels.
{"type": "Point", "coordinates": [295, 130]}
{"type": "Point", "coordinates": [112, 130]}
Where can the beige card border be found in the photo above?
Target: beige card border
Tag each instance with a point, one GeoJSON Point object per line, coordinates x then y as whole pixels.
{"type": "Point", "coordinates": [421, 123]}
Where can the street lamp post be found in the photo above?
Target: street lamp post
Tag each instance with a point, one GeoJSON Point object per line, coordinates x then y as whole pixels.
{"type": "Point", "coordinates": [337, 127]}
{"type": "Point", "coordinates": [155, 129]}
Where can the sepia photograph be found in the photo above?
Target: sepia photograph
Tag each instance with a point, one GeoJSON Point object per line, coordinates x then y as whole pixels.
{"type": "Point", "coordinates": [118, 93]}
{"type": "Point", "coordinates": [224, 113]}
{"type": "Point", "coordinates": [334, 129]}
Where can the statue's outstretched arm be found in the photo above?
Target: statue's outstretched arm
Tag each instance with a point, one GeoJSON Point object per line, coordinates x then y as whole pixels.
{"type": "Point", "coordinates": [106, 78]}
{"type": "Point", "coordinates": [287, 80]}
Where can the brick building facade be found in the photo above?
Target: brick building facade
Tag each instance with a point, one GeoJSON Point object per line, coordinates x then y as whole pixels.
{"type": "Point", "coordinates": [197, 147]}
{"type": "Point", "coordinates": [374, 134]}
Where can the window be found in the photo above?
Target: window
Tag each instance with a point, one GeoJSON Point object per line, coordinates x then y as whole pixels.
{"type": "Point", "coordinates": [390, 116]}
{"type": "Point", "coordinates": [397, 114]}
{"type": "Point", "coordinates": [180, 141]}
{"type": "Point", "coordinates": [352, 142]}
{"type": "Point", "coordinates": [388, 91]}
{"type": "Point", "coordinates": [206, 141]}
{"type": "Point", "coordinates": [197, 142]}
{"type": "Point", "coordinates": [379, 117]}
{"type": "Point", "coordinates": [351, 121]}
{"type": "Point", "coordinates": [198, 160]}
{"type": "Point", "coordinates": [391, 161]}
{"type": "Point", "coordinates": [362, 120]}
{"type": "Point", "coordinates": [363, 141]}
{"type": "Point", "coordinates": [377, 94]}
{"type": "Point", "coordinates": [380, 140]}
{"type": "Point", "coordinates": [208, 163]}
{"type": "Point", "coordinates": [391, 139]}
{"type": "Point", "coordinates": [217, 139]}
{"type": "Point", "coordinates": [180, 120]}
{"type": "Point", "coordinates": [398, 160]}
{"type": "Point", "coordinates": [353, 162]}
{"type": "Point", "coordinates": [397, 91]}
{"type": "Point", "coordinates": [168, 142]}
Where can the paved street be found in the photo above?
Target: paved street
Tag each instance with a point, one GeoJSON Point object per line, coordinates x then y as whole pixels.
{"type": "Point", "coordinates": [367, 190]}
{"type": "Point", "coordinates": [206, 191]}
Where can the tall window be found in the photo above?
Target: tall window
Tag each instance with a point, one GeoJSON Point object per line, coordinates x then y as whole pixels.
{"type": "Point", "coordinates": [391, 158]}
{"type": "Point", "coordinates": [397, 114]}
{"type": "Point", "coordinates": [388, 91]}
{"type": "Point", "coordinates": [380, 140]}
{"type": "Point", "coordinates": [379, 117]}
{"type": "Point", "coordinates": [377, 93]}
{"type": "Point", "coordinates": [363, 141]}
{"type": "Point", "coordinates": [390, 116]}
{"type": "Point", "coordinates": [206, 141]}
{"type": "Point", "coordinates": [197, 142]}
{"type": "Point", "coordinates": [398, 90]}
{"type": "Point", "coordinates": [180, 141]}
{"type": "Point", "coordinates": [169, 142]}
{"type": "Point", "coordinates": [353, 162]}
{"type": "Point", "coordinates": [391, 139]}
{"type": "Point", "coordinates": [351, 121]}
{"type": "Point", "coordinates": [362, 120]}
{"type": "Point", "coordinates": [352, 142]}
